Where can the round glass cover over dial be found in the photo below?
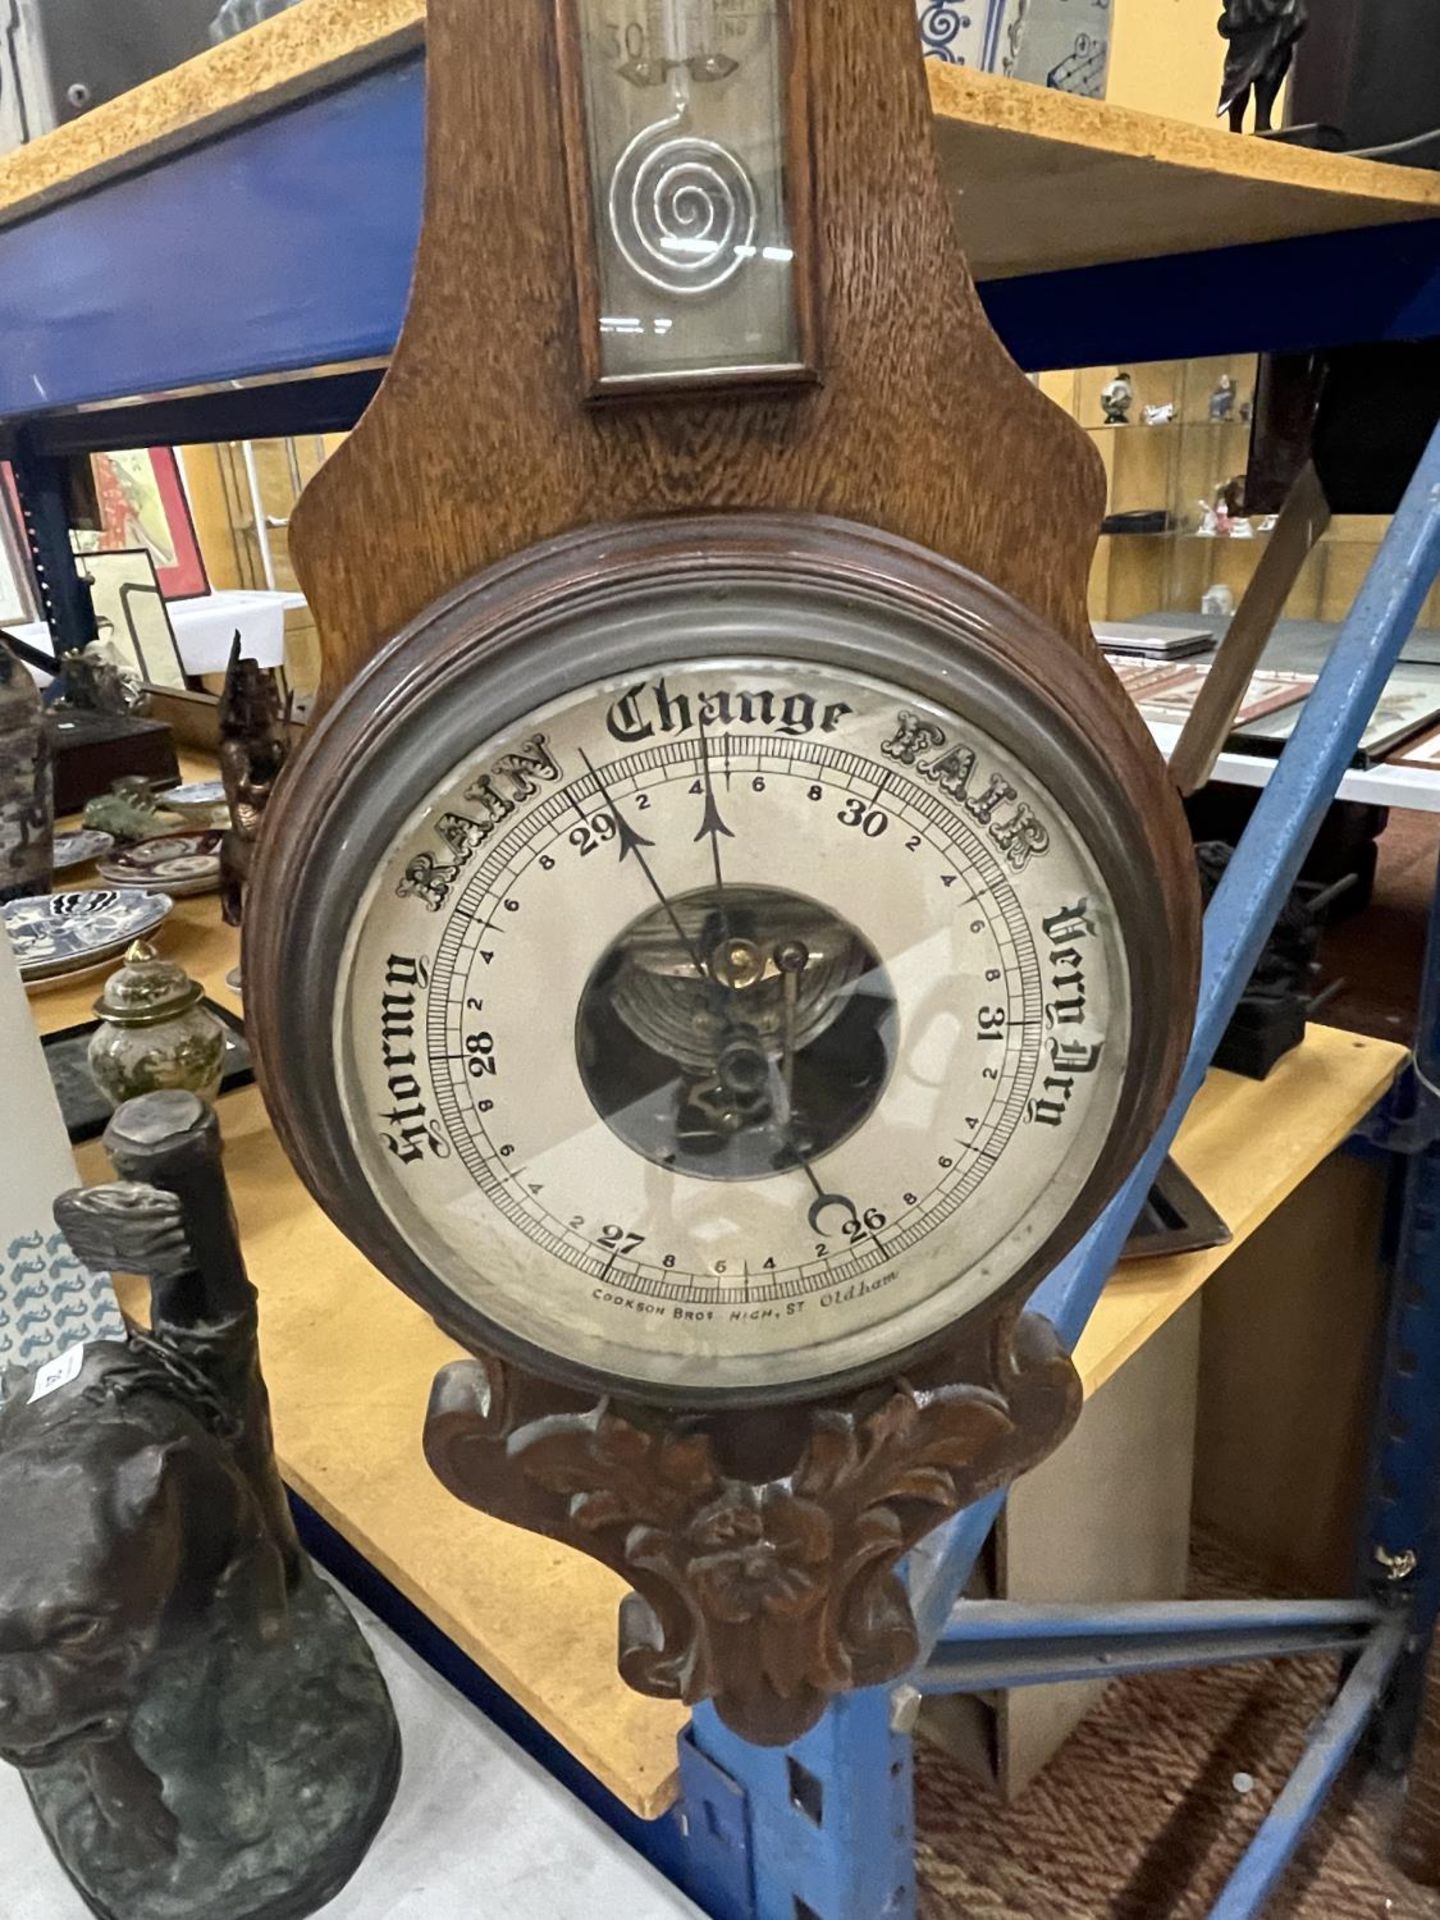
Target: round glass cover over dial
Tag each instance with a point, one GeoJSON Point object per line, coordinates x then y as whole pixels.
{"type": "Point", "coordinates": [733, 1024]}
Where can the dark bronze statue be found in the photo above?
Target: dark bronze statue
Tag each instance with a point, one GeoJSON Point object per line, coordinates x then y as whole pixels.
{"type": "Point", "coordinates": [1261, 36]}
{"type": "Point", "coordinates": [201, 1727]}
{"type": "Point", "coordinates": [254, 746]}
{"type": "Point", "coordinates": [97, 682]}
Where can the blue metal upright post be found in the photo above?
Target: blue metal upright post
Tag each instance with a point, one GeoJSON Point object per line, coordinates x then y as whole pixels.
{"type": "Point", "coordinates": [1245, 907]}
{"type": "Point", "coordinates": [831, 1820]}
{"type": "Point", "coordinates": [1403, 1537]}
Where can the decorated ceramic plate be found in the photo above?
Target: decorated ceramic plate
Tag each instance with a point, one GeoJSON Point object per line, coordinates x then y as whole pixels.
{"type": "Point", "coordinates": [173, 863]}
{"type": "Point", "coordinates": [77, 849]}
{"type": "Point", "coordinates": [197, 800]}
{"type": "Point", "coordinates": [71, 931]}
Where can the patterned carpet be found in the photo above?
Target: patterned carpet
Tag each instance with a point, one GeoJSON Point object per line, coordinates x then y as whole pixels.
{"type": "Point", "coordinates": [1138, 1816]}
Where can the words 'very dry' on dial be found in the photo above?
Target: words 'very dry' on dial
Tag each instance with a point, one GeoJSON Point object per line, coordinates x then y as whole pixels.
{"type": "Point", "coordinates": [732, 1025]}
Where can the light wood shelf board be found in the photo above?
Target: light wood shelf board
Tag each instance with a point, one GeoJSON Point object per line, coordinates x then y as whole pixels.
{"type": "Point", "coordinates": [283, 60]}
{"type": "Point", "coordinates": [1045, 179]}
{"type": "Point", "coordinates": [1049, 180]}
{"type": "Point", "coordinates": [1247, 1145]}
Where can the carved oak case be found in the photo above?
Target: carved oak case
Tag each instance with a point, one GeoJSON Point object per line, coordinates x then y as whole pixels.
{"type": "Point", "coordinates": [729, 935]}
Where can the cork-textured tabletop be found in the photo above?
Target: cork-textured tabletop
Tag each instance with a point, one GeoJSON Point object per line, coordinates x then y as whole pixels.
{"type": "Point", "coordinates": [1044, 180]}
{"type": "Point", "coordinates": [350, 1360]}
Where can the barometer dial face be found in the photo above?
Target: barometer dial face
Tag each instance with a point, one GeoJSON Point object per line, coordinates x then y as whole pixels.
{"type": "Point", "coordinates": [737, 1014]}
{"type": "Point", "coordinates": [724, 968]}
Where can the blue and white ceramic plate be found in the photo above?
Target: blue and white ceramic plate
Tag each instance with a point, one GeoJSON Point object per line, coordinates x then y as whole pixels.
{"type": "Point", "coordinates": [197, 800]}
{"type": "Point", "coordinates": [71, 931]}
{"type": "Point", "coordinates": [175, 863]}
{"type": "Point", "coordinates": [78, 849]}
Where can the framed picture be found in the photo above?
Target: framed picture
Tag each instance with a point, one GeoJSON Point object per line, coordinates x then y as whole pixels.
{"type": "Point", "coordinates": [18, 599]}
{"type": "Point", "coordinates": [1170, 703]}
{"type": "Point", "coordinates": [141, 503]}
{"type": "Point", "coordinates": [1423, 753]}
{"type": "Point", "coordinates": [130, 613]}
{"type": "Point", "coordinates": [1409, 705]}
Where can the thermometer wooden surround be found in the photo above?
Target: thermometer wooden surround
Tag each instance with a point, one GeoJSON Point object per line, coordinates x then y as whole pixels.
{"type": "Point", "coordinates": [728, 936]}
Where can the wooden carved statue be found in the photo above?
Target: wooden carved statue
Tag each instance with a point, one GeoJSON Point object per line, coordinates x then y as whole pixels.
{"type": "Point", "coordinates": [201, 1728]}
{"type": "Point", "coordinates": [1260, 38]}
{"type": "Point", "coordinates": [729, 934]}
{"type": "Point", "coordinates": [254, 746]}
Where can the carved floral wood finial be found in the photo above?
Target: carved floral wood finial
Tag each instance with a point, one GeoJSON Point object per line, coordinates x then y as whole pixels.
{"type": "Point", "coordinates": [769, 1596]}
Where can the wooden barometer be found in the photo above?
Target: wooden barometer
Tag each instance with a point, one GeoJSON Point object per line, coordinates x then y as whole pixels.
{"type": "Point", "coordinates": [729, 934]}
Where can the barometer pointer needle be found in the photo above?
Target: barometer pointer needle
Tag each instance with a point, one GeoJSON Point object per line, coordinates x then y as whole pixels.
{"type": "Point", "coordinates": [713, 824]}
{"type": "Point", "coordinates": [632, 842]}
{"type": "Point", "coordinates": [822, 1199]}
{"type": "Point", "coordinates": [635, 843]}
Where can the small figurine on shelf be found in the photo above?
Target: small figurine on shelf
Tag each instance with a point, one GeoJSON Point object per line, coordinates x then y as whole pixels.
{"type": "Point", "coordinates": [153, 1033]}
{"type": "Point", "coordinates": [1222, 400]}
{"type": "Point", "coordinates": [1159, 415]}
{"type": "Point", "coordinates": [27, 791]}
{"type": "Point", "coordinates": [254, 746]}
{"type": "Point", "coordinates": [1218, 601]}
{"type": "Point", "coordinates": [198, 1721]}
{"type": "Point", "coordinates": [96, 680]}
{"type": "Point", "coordinates": [1262, 35]}
{"type": "Point", "coordinates": [130, 811]}
{"type": "Point", "coordinates": [1231, 499]}
{"type": "Point", "coordinates": [1117, 397]}
{"type": "Point", "coordinates": [1224, 516]}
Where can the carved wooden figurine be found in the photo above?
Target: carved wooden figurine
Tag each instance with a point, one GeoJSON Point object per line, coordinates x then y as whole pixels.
{"type": "Point", "coordinates": [201, 1727]}
{"type": "Point", "coordinates": [254, 747]}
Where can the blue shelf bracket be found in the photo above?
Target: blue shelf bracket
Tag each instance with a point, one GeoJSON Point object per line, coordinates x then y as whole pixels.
{"type": "Point", "coordinates": [1303, 1795]}
{"type": "Point", "coordinates": [991, 1645]}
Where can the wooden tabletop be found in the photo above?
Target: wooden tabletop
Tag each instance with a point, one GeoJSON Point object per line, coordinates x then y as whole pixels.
{"type": "Point", "coordinates": [350, 1360]}
{"type": "Point", "coordinates": [1044, 179]}
{"type": "Point", "coordinates": [1247, 1145]}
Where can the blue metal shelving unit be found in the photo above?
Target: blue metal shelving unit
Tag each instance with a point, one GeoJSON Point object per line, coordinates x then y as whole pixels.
{"type": "Point", "coordinates": [285, 245]}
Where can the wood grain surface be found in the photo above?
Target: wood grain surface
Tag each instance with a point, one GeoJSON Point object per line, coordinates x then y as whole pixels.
{"type": "Point", "coordinates": [481, 442]}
